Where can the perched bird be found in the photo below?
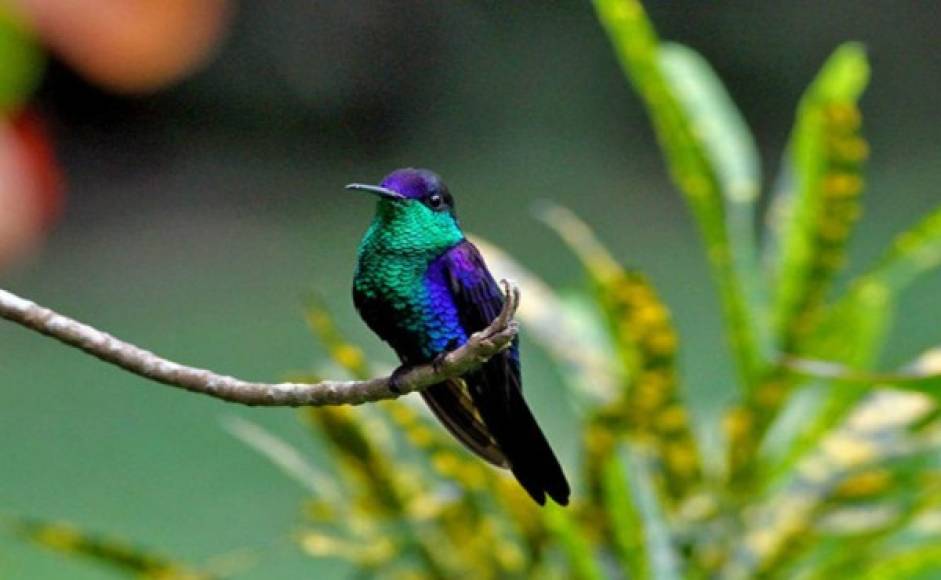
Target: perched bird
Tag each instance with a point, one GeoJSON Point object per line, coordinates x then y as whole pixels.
{"type": "Point", "coordinates": [424, 289]}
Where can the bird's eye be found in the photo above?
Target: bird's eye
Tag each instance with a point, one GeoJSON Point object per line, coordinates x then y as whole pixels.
{"type": "Point", "coordinates": [435, 201]}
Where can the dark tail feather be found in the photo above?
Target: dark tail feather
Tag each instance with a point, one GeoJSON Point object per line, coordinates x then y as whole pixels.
{"type": "Point", "coordinates": [513, 426]}
{"type": "Point", "coordinates": [532, 460]}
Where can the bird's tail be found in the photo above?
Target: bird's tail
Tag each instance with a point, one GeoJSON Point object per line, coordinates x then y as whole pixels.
{"type": "Point", "coordinates": [499, 397]}
{"type": "Point", "coordinates": [531, 458]}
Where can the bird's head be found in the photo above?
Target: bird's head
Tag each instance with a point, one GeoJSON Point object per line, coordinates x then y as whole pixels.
{"type": "Point", "coordinates": [415, 212]}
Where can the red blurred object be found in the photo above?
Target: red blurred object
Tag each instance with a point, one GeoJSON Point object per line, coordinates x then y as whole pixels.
{"type": "Point", "coordinates": [39, 160]}
{"type": "Point", "coordinates": [32, 192]}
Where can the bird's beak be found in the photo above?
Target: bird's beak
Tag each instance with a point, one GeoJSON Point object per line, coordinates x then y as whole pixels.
{"type": "Point", "coordinates": [375, 189]}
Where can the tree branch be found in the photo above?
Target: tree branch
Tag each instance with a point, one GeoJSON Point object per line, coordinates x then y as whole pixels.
{"type": "Point", "coordinates": [477, 350]}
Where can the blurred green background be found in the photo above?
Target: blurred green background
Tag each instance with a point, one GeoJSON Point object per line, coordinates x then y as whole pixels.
{"type": "Point", "coordinates": [197, 218]}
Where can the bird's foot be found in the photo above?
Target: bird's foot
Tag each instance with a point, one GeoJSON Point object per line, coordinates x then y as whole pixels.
{"type": "Point", "coordinates": [437, 363]}
{"type": "Point", "coordinates": [397, 377]}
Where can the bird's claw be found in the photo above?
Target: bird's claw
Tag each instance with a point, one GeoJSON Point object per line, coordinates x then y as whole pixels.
{"type": "Point", "coordinates": [395, 380]}
{"type": "Point", "coordinates": [437, 363]}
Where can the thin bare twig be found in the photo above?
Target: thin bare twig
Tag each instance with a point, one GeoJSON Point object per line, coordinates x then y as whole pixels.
{"type": "Point", "coordinates": [477, 350]}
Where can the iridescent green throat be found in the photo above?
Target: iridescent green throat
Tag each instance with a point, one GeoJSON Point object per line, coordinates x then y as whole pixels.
{"type": "Point", "coordinates": [403, 239]}
{"type": "Point", "coordinates": [410, 228]}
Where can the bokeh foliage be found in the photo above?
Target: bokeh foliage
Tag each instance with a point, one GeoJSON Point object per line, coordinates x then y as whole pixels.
{"type": "Point", "coordinates": [830, 466]}
{"type": "Point", "coordinates": [21, 61]}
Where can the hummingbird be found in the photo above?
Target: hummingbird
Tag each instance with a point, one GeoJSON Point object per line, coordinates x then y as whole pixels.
{"type": "Point", "coordinates": [423, 288]}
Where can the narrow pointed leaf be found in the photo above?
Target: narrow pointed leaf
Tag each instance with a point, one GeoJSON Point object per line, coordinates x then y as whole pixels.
{"type": "Point", "coordinates": [284, 456]}
{"type": "Point", "coordinates": [812, 221]}
{"type": "Point", "coordinates": [625, 522]}
{"type": "Point", "coordinates": [576, 546]}
{"type": "Point", "coordinates": [920, 562]}
{"type": "Point", "coordinates": [730, 148]}
{"type": "Point", "coordinates": [686, 140]}
{"type": "Point", "coordinates": [662, 555]}
{"type": "Point", "coordinates": [116, 554]}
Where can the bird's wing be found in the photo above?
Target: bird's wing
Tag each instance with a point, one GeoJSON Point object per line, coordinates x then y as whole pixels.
{"type": "Point", "coordinates": [496, 388]}
{"type": "Point", "coordinates": [452, 404]}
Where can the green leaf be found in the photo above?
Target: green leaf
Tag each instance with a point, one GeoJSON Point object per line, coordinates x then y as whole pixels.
{"type": "Point", "coordinates": [698, 155]}
{"type": "Point", "coordinates": [812, 220]}
{"type": "Point", "coordinates": [915, 252]}
{"type": "Point", "coordinates": [662, 556]}
{"type": "Point", "coordinates": [625, 522]}
{"type": "Point", "coordinates": [724, 135]}
{"type": "Point", "coordinates": [923, 561]}
{"type": "Point", "coordinates": [919, 379]}
{"type": "Point", "coordinates": [21, 61]}
{"type": "Point", "coordinates": [854, 327]}
{"type": "Point", "coordinates": [576, 546]}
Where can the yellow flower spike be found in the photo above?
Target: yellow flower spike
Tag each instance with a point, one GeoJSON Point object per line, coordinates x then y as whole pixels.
{"type": "Point", "coordinates": [681, 458]}
{"type": "Point", "coordinates": [59, 536]}
{"type": "Point", "coordinates": [473, 476]}
{"type": "Point", "coordinates": [424, 507]}
{"type": "Point", "coordinates": [651, 315]}
{"type": "Point", "coordinates": [120, 556]}
{"type": "Point", "coordinates": [737, 423]}
{"type": "Point", "coordinates": [320, 511]}
{"type": "Point", "coordinates": [341, 351]}
{"type": "Point", "coordinates": [598, 438]}
{"type": "Point", "coordinates": [401, 413]}
{"type": "Point", "coordinates": [445, 463]}
{"type": "Point", "coordinates": [319, 544]}
{"type": "Point", "coordinates": [319, 320]}
{"type": "Point", "coordinates": [842, 185]}
{"type": "Point", "coordinates": [368, 552]}
{"type": "Point", "coordinates": [662, 343]}
{"type": "Point", "coordinates": [853, 150]}
{"type": "Point", "coordinates": [420, 437]}
{"type": "Point", "coordinates": [868, 483]}
{"type": "Point", "coordinates": [672, 419]}
{"type": "Point", "coordinates": [510, 556]}
{"type": "Point", "coordinates": [648, 396]}
{"type": "Point", "coordinates": [831, 259]}
{"type": "Point", "coordinates": [760, 543]}
{"type": "Point", "coordinates": [348, 356]}
{"type": "Point", "coordinates": [771, 394]}
{"type": "Point", "coordinates": [657, 380]}
{"type": "Point", "coordinates": [845, 116]}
